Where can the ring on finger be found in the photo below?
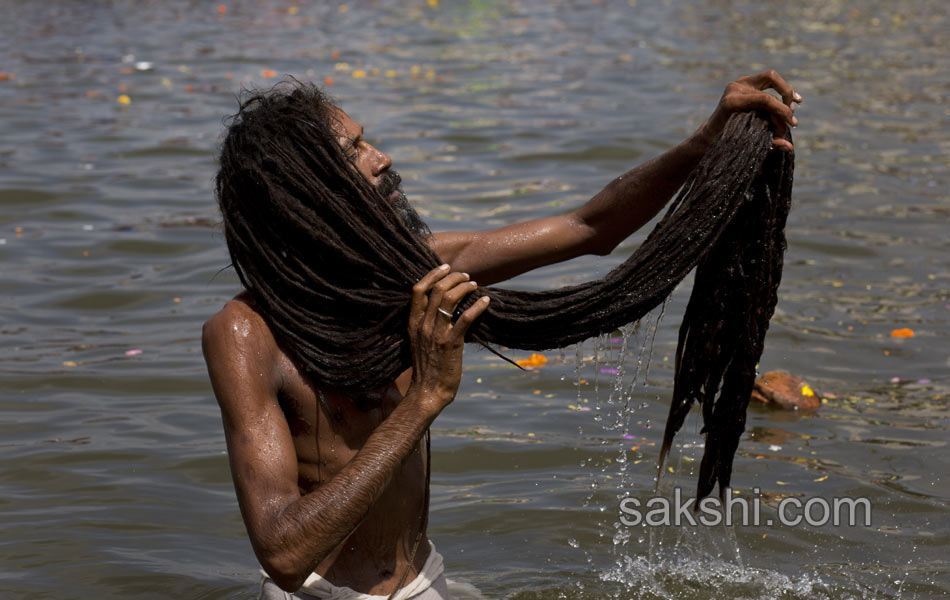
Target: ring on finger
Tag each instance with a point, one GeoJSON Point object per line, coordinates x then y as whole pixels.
{"type": "Point", "coordinates": [445, 312]}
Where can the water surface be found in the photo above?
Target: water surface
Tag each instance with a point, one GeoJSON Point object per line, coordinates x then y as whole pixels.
{"type": "Point", "coordinates": [114, 481]}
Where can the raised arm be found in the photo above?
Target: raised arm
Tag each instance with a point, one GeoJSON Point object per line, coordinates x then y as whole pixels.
{"type": "Point", "coordinates": [623, 206]}
{"type": "Point", "coordinates": [292, 534]}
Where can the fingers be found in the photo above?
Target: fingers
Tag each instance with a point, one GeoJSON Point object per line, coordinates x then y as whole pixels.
{"type": "Point", "coordinates": [468, 317]}
{"type": "Point", "coordinates": [443, 289]}
{"type": "Point", "coordinates": [782, 144]}
{"type": "Point", "coordinates": [440, 289]}
{"type": "Point", "coordinates": [772, 80]}
{"type": "Point", "coordinates": [451, 298]}
{"type": "Point", "coordinates": [749, 99]}
{"type": "Point", "coordinates": [782, 112]}
{"type": "Point", "coordinates": [420, 292]}
{"type": "Point", "coordinates": [750, 93]}
{"type": "Point", "coordinates": [450, 301]}
{"type": "Point", "coordinates": [782, 115]}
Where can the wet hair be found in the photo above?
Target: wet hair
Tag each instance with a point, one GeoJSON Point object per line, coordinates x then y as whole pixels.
{"type": "Point", "coordinates": [734, 296]}
{"type": "Point", "coordinates": [331, 265]}
{"type": "Point", "coordinates": [320, 251]}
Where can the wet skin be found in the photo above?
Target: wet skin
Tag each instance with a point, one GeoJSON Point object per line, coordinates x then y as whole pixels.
{"type": "Point", "coordinates": [340, 491]}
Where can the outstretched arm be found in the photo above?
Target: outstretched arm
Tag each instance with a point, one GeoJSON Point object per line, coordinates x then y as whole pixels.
{"type": "Point", "coordinates": [623, 206]}
{"type": "Point", "coordinates": [292, 534]}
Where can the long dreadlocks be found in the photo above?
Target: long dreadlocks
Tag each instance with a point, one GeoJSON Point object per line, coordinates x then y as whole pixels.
{"type": "Point", "coordinates": [331, 264]}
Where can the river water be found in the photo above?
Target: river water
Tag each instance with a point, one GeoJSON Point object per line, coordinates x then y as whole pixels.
{"type": "Point", "coordinates": [114, 481]}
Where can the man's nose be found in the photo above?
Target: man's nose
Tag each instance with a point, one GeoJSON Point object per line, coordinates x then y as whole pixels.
{"type": "Point", "coordinates": [381, 162]}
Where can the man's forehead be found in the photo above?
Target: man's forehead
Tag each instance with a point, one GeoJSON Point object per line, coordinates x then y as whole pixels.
{"type": "Point", "coordinates": [344, 126]}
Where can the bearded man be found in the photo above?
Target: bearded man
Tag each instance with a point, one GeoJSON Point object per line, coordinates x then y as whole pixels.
{"type": "Point", "coordinates": [325, 447]}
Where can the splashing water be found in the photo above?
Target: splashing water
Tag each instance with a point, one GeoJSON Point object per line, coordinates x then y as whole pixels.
{"type": "Point", "coordinates": [698, 577]}
{"type": "Point", "coordinates": [668, 562]}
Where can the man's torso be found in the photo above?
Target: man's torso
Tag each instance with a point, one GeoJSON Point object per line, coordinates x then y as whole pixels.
{"type": "Point", "coordinates": [376, 553]}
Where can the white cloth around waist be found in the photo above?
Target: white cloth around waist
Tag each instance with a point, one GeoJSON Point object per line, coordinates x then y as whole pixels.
{"type": "Point", "coordinates": [317, 586]}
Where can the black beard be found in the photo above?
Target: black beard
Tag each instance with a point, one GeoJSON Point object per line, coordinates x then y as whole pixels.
{"type": "Point", "coordinates": [388, 184]}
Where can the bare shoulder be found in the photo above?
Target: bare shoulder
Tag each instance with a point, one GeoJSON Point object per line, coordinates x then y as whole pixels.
{"type": "Point", "coordinates": [238, 346]}
{"type": "Point", "coordinates": [237, 328]}
{"type": "Point", "coordinates": [239, 321]}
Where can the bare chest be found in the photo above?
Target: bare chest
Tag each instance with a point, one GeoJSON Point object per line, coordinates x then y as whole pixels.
{"type": "Point", "coordinates": [328, 428]}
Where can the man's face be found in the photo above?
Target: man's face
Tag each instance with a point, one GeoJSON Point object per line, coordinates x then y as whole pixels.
{"type": "Point", "coordinates": [375, 165]}
{"type": "Point", "coordinates": [370, 162]}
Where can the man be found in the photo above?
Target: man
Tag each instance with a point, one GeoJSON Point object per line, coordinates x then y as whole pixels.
{"type": "Point", "coordinates": [333, 488]}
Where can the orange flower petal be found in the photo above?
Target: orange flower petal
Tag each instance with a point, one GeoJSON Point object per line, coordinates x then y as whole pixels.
{"type": "Point", "coordinates": [535, 360]}
{"type": "Point", "coordinates": [903, 333]}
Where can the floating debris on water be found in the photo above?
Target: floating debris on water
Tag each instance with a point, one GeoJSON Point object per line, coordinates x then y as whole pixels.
{"type": "Point", "coordinates": [784, 390]}
{"type": "Point", "coordinates": [535, 360]}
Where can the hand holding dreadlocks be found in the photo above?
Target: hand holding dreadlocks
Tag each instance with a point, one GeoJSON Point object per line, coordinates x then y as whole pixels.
{"type": "Point", "coordinates": [748, 93]}
{"type": "Point", "coordinates": [436, 337]}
